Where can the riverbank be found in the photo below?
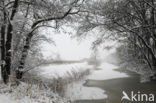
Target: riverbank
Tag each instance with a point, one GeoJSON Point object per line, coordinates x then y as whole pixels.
{"type": "Point", "coordinates": [81, 91]}
{"type": "Point", "coordinates": [114, 87]}
{"type": "Point", "coordinates": [44, 84]}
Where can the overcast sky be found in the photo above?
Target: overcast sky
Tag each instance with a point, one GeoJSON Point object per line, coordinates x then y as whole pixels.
{"type": "Point", "coordinates": [69, 48]}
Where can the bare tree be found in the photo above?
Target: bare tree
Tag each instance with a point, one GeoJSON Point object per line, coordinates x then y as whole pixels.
{"type": "Point", "coordinates": [132, 20]}
{"type": "Point", "coordinates": [21, 21]}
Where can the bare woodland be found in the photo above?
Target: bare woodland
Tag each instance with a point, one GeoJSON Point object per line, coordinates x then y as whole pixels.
{"type": "Point", "coordinates": [131, 22]}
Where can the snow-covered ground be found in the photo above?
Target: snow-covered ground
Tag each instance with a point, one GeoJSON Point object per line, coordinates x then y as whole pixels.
{"type": "Point", "coordinates": [76, 91]}
{"type": "Point", "coordinates": [28, 93]}
{"type": "Point", "coordinates": [62, 70]}
{"type": "Point", "coordinates": [106, 71]}
{"type": "Point", "coordinates": [34, 95]}
{"type": "Point", "coordinates": [6, 99]}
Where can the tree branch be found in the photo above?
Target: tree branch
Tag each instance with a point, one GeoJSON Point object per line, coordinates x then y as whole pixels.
{"type": "Point", "coordinates": [51, 18]}
{"type": "Point", "coordinates": [143, 41]}
{"type": "Point", "coordinates": [14, 10]}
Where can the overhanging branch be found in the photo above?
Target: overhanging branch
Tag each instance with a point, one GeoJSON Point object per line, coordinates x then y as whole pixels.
{"type": "Point", "coordinates": [51, 18]}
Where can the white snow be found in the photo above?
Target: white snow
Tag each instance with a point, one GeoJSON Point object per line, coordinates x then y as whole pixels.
{"type": "Point", "coordinates": [106, 72]}
{"type": "Point", "coordinates": [6, 99]}
{"type": "Point", "coordinates": [62, 70]}
{"type": "Point", "coordinates": [28, 93]}
{"type": "Point", "coordinates": [76, 91]}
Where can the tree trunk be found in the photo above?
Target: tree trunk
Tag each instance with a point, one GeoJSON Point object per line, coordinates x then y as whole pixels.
{"type": "Point", "coordinates": [8, 44]}
{"type": "Point", "coordinates": [8, 50]}
{"type": "Point", "coordinates": [19, 71]}
{"type": "Point", "coordinates": [3, 69]}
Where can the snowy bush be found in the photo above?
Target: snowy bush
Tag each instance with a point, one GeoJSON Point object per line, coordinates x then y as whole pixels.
{"type": "Point", "coordinates": [31, 93]}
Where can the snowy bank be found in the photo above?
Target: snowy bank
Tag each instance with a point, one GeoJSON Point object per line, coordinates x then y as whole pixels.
{"type": "Point", "coordinates": [74, 90]}
{"type": "Point", "coordinates": [6, 99]}
{"type": "Point", "coordinates": [28, 93]}
{"type": "Point", "coordinates": [106, 71]}
{"type": "Point", "coordinates": [77, 91]}
{"type": "Point", "coordinates": [62, 70]}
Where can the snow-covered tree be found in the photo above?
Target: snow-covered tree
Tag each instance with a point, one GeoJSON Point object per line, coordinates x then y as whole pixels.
{"type": "Point", "coordinates": [21, 20]}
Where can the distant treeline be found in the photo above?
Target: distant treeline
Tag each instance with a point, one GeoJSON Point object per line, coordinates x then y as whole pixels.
{"type": "Point", "coordinates": [64, 61]}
